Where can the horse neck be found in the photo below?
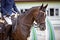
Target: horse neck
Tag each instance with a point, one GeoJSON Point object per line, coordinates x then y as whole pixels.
{"type": "Point", "coordinates": [23, 29]}
{"type": "Point", "coordinates": [27, 20]}
{"type": "Point", "coordinates": [25, 23]}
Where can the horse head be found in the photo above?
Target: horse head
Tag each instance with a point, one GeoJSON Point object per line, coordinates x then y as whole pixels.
{"type": "Point", "coordinates": [40, 16]}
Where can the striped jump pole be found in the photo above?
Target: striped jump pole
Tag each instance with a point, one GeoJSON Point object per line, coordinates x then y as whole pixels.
{"type": "Point", "coordinates": [34, 35]}
{"type": "Point", "coordinates": [50, 29]}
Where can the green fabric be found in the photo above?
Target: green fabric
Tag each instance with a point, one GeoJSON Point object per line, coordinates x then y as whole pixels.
{"type": "Point", "coordinates": [51, 30]}
{"type": "Point", "coordinates": [34, 34]}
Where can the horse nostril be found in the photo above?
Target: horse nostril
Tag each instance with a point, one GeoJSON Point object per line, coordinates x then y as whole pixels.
{"type": "Point", "coordinates": [42, 28]}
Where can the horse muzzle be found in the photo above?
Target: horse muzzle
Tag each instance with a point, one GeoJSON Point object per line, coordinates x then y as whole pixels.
{"type": "Point", "coordinates": [42, 28]}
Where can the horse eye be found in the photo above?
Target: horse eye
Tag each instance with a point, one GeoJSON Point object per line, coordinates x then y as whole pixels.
{"type": "Point", "coordinates": [44, 10]}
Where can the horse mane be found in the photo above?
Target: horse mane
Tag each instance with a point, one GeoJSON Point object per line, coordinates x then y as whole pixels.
{"type": "Point", "coordinates": [29, 11]}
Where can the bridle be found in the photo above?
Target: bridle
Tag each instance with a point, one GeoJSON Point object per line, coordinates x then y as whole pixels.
{"type": "Point", "coordinates": [39, 16]}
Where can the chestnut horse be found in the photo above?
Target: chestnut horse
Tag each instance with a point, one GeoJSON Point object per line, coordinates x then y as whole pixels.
{"type": "Point", "coordinates": [25, 21]}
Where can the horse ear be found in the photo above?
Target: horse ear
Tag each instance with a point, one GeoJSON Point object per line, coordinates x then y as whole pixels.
{"type": "Point", "coordinates": [46, 6]}
{"type": "Point", "coordinates": [41, 6]}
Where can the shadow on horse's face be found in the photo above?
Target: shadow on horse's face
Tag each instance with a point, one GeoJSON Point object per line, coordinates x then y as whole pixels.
{"type": "Point", "coordinates": [40, 18]}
